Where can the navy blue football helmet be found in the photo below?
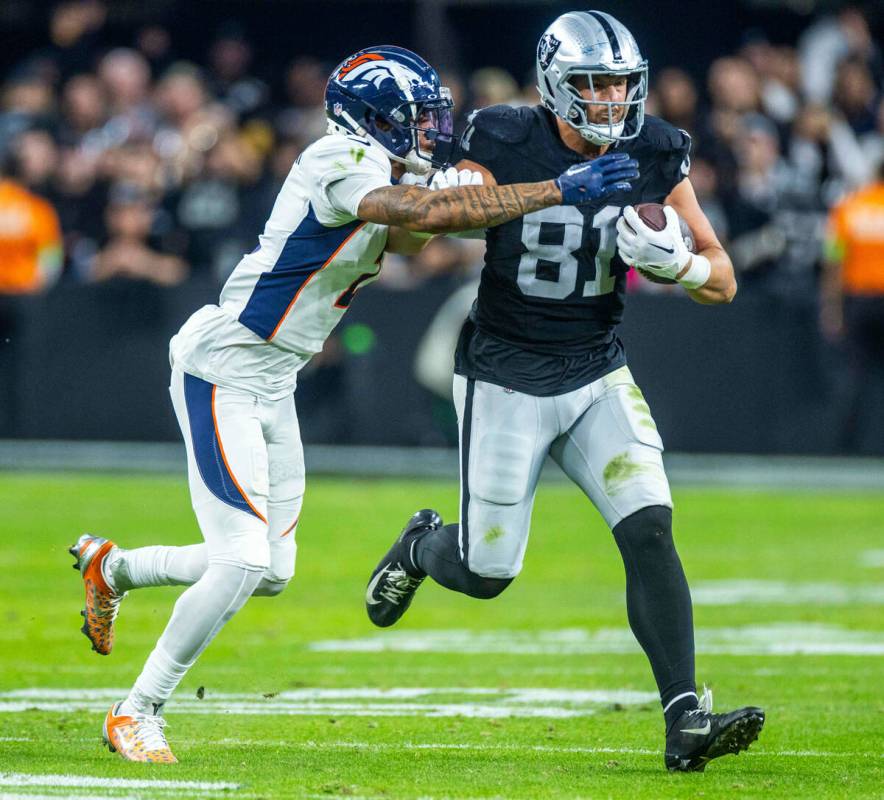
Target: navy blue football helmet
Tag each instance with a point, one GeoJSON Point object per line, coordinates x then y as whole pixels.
{"type": "Point", "coordinates": [392, 96]}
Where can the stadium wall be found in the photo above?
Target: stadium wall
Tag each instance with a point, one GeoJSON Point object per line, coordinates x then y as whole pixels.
{"type": "Point", "coordinates": [747, 378]}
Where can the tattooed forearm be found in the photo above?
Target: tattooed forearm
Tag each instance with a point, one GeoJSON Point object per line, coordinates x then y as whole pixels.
{"type": "Point", "coordinates": [452, 210]}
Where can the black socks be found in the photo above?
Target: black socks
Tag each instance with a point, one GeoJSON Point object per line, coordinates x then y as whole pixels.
{"type": "Point", "coordinates": [658, 601]}
{"type": "Point", "coordinates": [437, 553]}
{"type": "Point", "coordinates": [658, 604]}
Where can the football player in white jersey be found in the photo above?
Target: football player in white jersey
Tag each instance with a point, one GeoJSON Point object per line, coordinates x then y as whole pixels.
{"type": "Point", "coordinates": [235, 364]}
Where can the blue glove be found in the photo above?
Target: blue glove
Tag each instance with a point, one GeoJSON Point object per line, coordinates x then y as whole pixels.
{"type": "Point", "coordinates": [598, 178]}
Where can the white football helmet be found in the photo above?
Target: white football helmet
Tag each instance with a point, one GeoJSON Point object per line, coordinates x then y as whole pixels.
{"type": "Point", "coordinates": [589, 43]}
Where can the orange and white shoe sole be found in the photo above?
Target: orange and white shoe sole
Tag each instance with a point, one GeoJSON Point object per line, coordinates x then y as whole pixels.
{"type": "Point", "coordinates": [119, 733]}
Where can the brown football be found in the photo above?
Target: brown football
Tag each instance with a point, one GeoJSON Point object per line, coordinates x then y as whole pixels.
{"type": "Point", "coordinates": [652, 215]}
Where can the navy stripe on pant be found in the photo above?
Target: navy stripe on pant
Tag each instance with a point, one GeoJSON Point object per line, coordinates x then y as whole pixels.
{"type": "Point", "coordinates": [198, 395]}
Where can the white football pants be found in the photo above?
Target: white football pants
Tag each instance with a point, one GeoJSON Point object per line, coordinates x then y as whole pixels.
{"type": "Point", "coordinates": [602, 435]}
{"type": "Point", "coordinates": [246, 472]}
{"type": "Point", "coordinates": [245, 466]}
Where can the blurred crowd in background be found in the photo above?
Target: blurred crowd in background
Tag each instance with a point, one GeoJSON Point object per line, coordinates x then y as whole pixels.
{"type": "Point", "coordinates": [162, 169]}
{"type": "Point", "coordinates": [133, 163]}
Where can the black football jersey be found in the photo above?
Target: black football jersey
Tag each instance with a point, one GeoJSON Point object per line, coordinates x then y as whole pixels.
{"type": "Point", "coordinates": [552, 288]}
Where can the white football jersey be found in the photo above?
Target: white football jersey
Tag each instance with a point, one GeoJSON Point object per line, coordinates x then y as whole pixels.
{"type": "Point", "coordinates": [284, 298]}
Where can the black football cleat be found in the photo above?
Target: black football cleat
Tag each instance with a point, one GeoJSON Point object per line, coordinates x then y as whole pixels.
{"type": "Point", "coordinates": [396, 577]}
{"type": "Point", "coordinates": [698, 735]}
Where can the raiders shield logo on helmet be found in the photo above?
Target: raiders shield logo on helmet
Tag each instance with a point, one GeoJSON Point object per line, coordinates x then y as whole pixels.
{"type": "Point", "coordinates": [547, 49]}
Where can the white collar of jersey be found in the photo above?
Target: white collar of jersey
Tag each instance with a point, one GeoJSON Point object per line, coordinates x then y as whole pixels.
{"type": "Point", "coordinates": [413, 162]}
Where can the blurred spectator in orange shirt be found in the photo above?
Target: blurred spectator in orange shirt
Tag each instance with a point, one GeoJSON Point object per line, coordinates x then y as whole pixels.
{"type": "Point", "coordinates": [854, 268]}
{"type": "Point", "coordinates": [852, 302]}
{"type": "Point", "coordinates": [30, 240]}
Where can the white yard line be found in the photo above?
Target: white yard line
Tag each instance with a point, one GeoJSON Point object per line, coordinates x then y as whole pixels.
{"type": "Point", "coordinates": [383, 746]}
{"type": "Point", "coordinates": [871, 558]}
{"type": "Point", "coordinates": [421, 797]}
{"type": "Point", "coordinates": [67, 796]}
{"type": "Point", "coordinates": [516, 748]}
{"type": "Point", "coordinates": [775, 639]}
{"type": "Point", "coordinates": [12, 779]}
{"type": "Point", "coordinates": [746, 592]}
{"type": "Point", "coordinates": [512, 695]}
{"type": "Point", "coordinates": [483, 703]}
{"type": "Point", "coordinates": [436, 710]}
{"type": "Point", "coordinates": [24, 779]}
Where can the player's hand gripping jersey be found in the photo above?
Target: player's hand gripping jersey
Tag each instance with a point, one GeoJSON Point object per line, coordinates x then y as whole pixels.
{"type": "Point", "coordinates": [552, 289]}
{"type": "Point", "coordinates": [284, 298]}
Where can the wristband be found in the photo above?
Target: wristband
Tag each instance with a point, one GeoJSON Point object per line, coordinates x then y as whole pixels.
{"type": "Point", "coordinates": [698, 273]}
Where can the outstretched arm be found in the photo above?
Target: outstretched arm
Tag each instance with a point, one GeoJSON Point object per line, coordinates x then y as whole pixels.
{"type": "Point", "coordinates": [451, 210]}
{"type": "Point", "coordinates": [409, 243]}
{"type": "Point", "coordinates": [468, 207]}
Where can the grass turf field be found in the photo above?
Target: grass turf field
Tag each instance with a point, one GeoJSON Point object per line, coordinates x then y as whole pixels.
{"type": "Point", "coordinates": [539, 693]}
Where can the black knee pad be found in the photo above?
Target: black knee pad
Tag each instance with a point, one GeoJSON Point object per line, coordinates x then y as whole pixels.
{"type": "Point", "coordinates": [486, 588]}
{"type": "Point", "coordinates": [649, 529]}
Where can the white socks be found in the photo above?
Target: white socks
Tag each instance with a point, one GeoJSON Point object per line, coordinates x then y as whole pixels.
{"type": "Point", "coordinates": [155, 566]}
{"type": "Point", "coordinates": [158, 679]}
{"type": "Point", "coordinates": [199, 614]}
{"type": "Point", "coordinates": [125, 570]}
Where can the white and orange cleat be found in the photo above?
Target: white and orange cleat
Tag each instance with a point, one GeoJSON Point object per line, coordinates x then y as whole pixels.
{"type": "Point", "coordinates": [137, 737]}
{"type": "Point", "coordinates": [102, 601]}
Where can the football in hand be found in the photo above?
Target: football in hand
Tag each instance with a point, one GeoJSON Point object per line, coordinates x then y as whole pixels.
{"type": "Point", "coordinates": [652, 215]}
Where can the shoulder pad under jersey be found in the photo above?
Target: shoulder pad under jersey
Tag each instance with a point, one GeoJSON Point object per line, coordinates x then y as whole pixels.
{"type": "Point", "coordinates": [668, 144]}
{"type": "Point", "coordinates": [664, 137]}
{"type": "Point", "coordinates": [503, 123]}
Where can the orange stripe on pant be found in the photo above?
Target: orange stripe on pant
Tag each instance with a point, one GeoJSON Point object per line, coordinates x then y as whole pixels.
{"type": "Point", "coordinates": [227, 463]}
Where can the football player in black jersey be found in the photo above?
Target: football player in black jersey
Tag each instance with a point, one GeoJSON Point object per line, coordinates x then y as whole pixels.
{"type": "Point", "coordinates": [541, 371]}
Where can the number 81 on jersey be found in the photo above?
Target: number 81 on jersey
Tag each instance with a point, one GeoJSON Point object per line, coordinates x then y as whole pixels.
{"type": "Point", "coordinates": [554, 241]}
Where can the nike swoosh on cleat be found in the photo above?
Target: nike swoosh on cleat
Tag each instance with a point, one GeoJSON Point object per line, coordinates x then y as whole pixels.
{"type": "Point", "coordinates": [664, 249]}
{"type": "Point", "coordinates": [699, 731]}
{"type": "Point", "coordinates": [369, 592]}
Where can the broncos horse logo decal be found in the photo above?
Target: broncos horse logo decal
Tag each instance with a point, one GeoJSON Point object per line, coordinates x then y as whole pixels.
{"type": "Point", "coordinates": [376, 69]}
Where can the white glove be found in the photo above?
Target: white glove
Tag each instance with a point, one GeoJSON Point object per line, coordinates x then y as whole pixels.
{"type": "Point", "coordinates": [411, 179]}
{"type": "Point", "coordinates": [451, 178]}
{"type": "Point", "coordinates": [662, 252]}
